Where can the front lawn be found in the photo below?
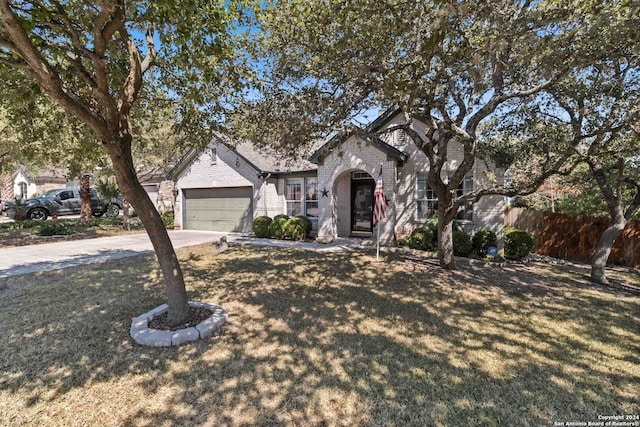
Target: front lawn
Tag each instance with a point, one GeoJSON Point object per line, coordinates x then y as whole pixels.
{"type": "Point", "coordinates": [322, 339]}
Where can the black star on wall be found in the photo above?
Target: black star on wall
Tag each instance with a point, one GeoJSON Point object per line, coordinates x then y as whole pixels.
{"type": "Point", "coordinates": [325, 193]}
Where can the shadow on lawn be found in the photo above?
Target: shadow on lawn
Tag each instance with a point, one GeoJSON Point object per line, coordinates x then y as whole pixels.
{"type": "Point", "coordinates": [325, 339]}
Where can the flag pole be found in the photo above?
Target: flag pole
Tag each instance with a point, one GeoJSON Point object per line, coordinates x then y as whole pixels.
{"type": "Point", "coordinates": [379, 211]}
{"type": "Point", "coordinates": [378, 242]}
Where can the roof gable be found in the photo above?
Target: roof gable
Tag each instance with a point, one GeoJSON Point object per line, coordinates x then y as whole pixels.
{"type": "Point", "coordinates": [263, 160]}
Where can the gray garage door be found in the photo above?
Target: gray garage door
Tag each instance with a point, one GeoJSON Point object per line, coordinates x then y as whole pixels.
{"type": "Point", "coordinates": [219, 209]}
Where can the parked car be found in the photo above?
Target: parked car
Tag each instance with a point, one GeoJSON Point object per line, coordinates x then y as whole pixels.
{"type": "Point", "coordinates": [64, 201]}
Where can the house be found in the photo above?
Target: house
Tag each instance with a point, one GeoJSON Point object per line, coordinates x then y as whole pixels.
{"type": "Point", "coordinates": [224, 189]}
{"type": "Point", "coordinates": [27, 184]}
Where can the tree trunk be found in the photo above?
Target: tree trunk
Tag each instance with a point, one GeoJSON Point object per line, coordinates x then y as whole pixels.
{"type": "Point", "coordinates": [126, 214]}
{"type": "Point", "coordinates": [603, 249]}
{"type": "Point", "coordinates": [445, 235]}
{"type": "Point", "coordinates": [85, 198]}
{"type": "Point", "coordinates": [6, 186]}
{"type": "Point", "coordinates": [139, 199]}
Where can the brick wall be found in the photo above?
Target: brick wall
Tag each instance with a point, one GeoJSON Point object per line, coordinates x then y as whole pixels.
{"type": "Point", "coordinates": [335, 175]}
{"type": "Point", "coordinates": [226, 170]}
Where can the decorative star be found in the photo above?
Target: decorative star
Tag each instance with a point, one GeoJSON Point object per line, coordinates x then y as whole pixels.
{"type": "Point", "coordinates": [325, 193]}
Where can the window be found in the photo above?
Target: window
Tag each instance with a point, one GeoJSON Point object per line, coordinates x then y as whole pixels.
{"type": "Point", "coordinates": [427, 202]}
{"type": "Point", "coordinates": [293, 195]}
{"type": "Point", "coordinates": [23, 190]}
{"type": "Point", "coordinates": [66, 195]}
{"type": "Point", "coordinates": [426, 199]}
{"type": "Point", "coordinates": [466, 209]}
{"type": "Point", "coordinates": [311, 197]}
{"type": "Point", "coordinates": [301, 202]}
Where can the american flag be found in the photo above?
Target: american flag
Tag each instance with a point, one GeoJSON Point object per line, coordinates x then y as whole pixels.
{"type": "Point", "coordinates": [380, 203]}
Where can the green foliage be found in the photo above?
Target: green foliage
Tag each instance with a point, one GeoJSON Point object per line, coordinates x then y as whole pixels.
{"type": "Point", "coordinates": [107, 188]}
{"type": "Point", "coordinates": [21, 225]}
{"type": "Point", "coordinates": [422, 238]}
{"type": "Point", "coordinates": [461, 243]}
{"type": "Point", "coordinates": [482, 240]}
{"type": "Point", "coordinates": [168, 218]}
{"type": "Point", "coordinates": [276, 228]}
{"type": "Point", "coordinates": [103, 220]}
{"type": "Point", "coordinates": [295, 228]}
{"type": "Point", "coordinates": [308, 226]}
{"type": "Point", "coordinates": [517, 243]}
{"type": "Point", "coordinates": [261, 226]}
{"type": "Point", "coordinates": [55, 228]}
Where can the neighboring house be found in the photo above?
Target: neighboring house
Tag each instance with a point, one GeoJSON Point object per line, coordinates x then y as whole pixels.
{"type": "Point", "coordinates": [224, 189]}
{"type": "Point", "coordinates": [26, 185]}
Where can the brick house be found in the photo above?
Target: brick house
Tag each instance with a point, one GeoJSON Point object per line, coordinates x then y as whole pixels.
{"type": "Point", "coordinates": [224, 188]}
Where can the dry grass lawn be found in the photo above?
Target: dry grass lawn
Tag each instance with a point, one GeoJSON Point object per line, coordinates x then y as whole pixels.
{"type": "Point", "coordinates": [322, 339]}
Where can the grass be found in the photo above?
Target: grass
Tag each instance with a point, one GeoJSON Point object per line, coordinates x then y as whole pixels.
{"type": "Point", "coordinates": [322, 339]}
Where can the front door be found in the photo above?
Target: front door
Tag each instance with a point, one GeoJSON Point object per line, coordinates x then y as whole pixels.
{"type": "Point", "coordinates": [362, 205]}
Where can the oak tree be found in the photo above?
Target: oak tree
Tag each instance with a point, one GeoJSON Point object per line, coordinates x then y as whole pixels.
{"type": "Point", "coordinates": [453, 65]}
{"type": "Point", "coordinates": [96, 62]}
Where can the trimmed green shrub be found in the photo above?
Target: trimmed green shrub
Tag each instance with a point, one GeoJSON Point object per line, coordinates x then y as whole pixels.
{"type": "Point", "coordinates": [57, 228]}
{"type": "Point", "coordinates": [307, 223]}
{"type": "Point", "coordinates": [422, 238]}
{"type": "Point", "coordinates": [276, 228]}
{"type": "Point", "coordinates": [432, 224]}
{"type": "Point", "coordinates": [517, 243]}
{"type": "Point", "coordinates": [461, 243]}
{"type": "Point", "coordinates": [295, 228]}
{"type": "Point", "coordinates": [482, 240]}
{"type": "Point", "coordinates": [168, 218]}
{"type": "Point", "coordinates": [281, 216]}
{"type": "Point", "coordinates": [261, 226]}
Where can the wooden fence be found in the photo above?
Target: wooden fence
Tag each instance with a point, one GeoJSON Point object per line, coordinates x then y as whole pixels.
{"type": "Point", "coordinates": [574, 237]}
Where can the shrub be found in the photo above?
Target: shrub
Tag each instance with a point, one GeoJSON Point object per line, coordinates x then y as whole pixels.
{"type": "Point", "coordinates": [432, 224]}
{"type": "Point", "coordinates": [307, 224]}
{"type": "Point", "coordinates": [461, 243]}
{"type": "Point", "coordinates": [482, 240]}
{"type": "Point", "coordinates": [261, 226]}
{"type": "Point", "coordinates": [168, 218]}
{"type": "Point", "coordinates": [422, 238]}
{"type": "Point", "coordinates": [108, 221]}
{"type": "Point", "coordinates": [57, 228]}
{"type": "Point", "coordinates": [296, 228]}
{"type": "Point", "coordinates": [276, 228]}
{"type": "Point", "coordinates": [24, 224]}
{"type": "Point", "coordinates": [280, 216]}
{"type": "Point", "coordinates": [517, 243]}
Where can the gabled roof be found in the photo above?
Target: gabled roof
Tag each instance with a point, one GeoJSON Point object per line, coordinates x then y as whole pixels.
{"type": "Point", "coordinates": [263, 160]}
{"type": "Point", "coordinates": [337, 140]}
{"type": "Point", "coordinates": [45, 173]}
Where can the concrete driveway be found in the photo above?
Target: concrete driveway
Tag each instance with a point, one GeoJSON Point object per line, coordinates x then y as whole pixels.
{"type": "Point", "coordinates": [50, 256]}
{"type": "Point", "coordinates": [18, 260]}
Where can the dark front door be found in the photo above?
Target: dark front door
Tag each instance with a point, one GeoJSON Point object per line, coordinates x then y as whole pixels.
{"type": "Point", "coordinates": [362, 205]}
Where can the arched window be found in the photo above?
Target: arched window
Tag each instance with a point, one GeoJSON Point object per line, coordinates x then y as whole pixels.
{"type": "Point", "coordinates": [23, 190]}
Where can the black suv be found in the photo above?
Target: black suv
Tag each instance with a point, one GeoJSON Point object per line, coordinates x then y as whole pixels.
{"type": "Point", "coordinates": [64, 201]}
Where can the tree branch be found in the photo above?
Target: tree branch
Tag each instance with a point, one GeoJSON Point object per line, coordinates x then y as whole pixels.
{"type": "Point", "coordinates": [45, 75]}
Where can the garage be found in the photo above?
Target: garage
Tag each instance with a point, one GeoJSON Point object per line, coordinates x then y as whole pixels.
{"type": "Point", "coordinates": [218, 209]}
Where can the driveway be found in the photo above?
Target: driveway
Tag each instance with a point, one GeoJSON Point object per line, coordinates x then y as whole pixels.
{"type": "Point", "coordinates": [50, 256]}
{"type": "Point", "coordinates": [18, 260]}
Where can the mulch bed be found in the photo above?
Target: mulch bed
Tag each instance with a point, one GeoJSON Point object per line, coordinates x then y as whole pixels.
{"type": "Point", "coordinates": [196, 316]}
